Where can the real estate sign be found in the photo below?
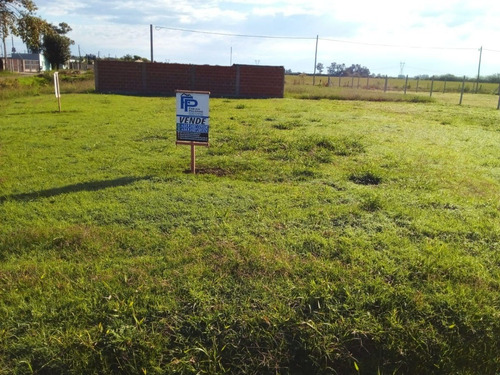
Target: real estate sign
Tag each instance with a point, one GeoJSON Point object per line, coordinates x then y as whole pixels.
{"type": "Point", "coordinates": [192, 116]}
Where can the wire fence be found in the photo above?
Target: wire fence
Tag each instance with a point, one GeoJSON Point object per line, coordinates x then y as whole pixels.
{"type": "Point", "coordinates": [467, 92]}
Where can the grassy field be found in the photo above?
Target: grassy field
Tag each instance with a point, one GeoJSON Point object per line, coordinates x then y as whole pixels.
{"type": "Point", "coordinates": [300, 87]}
{"type": "Point", "coordinates": [394, 84]}
{"type": "Point", "coordinates": [319, 237]}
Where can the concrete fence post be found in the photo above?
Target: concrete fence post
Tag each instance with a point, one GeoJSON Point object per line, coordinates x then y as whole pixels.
{"type": "Point", "coordinates": [462, 92]}
{"type": "Point", "coordinates": [498, 106]}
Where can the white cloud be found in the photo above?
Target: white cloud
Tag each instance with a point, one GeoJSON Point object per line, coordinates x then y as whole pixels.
{"type": "Point", "coordinates": [61, 8]}
{"type": "Point", "coordinates": [119, 27]}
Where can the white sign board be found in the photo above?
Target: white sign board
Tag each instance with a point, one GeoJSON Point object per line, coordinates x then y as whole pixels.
{"type": "Point", "coordinates": [193, 121]}
{"type": "Point", "coordinates": [56, 85]}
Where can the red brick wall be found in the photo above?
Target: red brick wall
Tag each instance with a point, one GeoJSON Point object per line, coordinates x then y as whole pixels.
{"type": "Point", "coordinates": [245, 81]}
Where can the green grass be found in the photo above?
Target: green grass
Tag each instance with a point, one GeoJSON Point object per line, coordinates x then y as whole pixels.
{"type": "Point", "coordinates": [319, 237]}
{"type": "Point", "coordinates": [394, 84]}
{"type": "Point", "coordinates": [343, 93]}
{"type": "Point", "coordinates": [373, 89]}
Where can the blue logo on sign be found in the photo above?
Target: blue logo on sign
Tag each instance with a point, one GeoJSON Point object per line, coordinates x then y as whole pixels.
{"type": "Point", "coordinates": [187, 101]}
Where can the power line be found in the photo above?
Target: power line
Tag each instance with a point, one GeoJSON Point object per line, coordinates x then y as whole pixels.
{"type": "Point", "coordinates": [237, 35]}
{"type": "Point", "coordinates": [314, 38]}
{"type": "Point", "coordinates": [395, 45]}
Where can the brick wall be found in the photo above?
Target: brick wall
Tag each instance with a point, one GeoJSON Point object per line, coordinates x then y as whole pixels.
{"type": "Point", "coordinates": [241, 81]}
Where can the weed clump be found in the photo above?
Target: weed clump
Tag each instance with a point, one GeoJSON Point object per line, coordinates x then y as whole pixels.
{"type": "Point", "coordinates": [365, 178]}
{"type": "Point", "coordinates": [289, 125]}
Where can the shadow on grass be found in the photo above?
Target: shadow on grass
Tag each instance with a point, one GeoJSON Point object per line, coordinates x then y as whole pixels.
{"type": "Point", "coordinates": [83, 186]}
{"type": "Point", "coordinates": [55, 111]}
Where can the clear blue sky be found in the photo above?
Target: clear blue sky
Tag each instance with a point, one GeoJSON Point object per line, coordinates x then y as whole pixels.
{"type": "Point", "coordinates": [429, 36]}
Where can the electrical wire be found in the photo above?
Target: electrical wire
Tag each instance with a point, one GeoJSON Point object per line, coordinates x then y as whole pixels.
{"type": "Point", "coordinates": [237, 35]}
{"type": "Point", "coordinates": [395, 45]}
{"type": "Point", "coordinates": [314, 38]}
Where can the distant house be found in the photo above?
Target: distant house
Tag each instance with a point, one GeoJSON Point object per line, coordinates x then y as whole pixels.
{"type": "Point", "coordinates": [27, 63]}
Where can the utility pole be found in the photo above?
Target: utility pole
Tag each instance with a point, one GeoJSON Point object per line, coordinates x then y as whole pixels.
{"type": "Point", "coordinates": [151, 40]}
{"type": "Point", "coordinates": [479, 68]}
{"type": "Point", "coordinates": [79, 59]}
{"type": "Point", "coordinates": [315, 60]}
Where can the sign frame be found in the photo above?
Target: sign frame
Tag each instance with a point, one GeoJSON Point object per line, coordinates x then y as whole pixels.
{"type": "Point", "coordinates": [192, 120]}
{"type": "Point", "coordinates": [192, 116]}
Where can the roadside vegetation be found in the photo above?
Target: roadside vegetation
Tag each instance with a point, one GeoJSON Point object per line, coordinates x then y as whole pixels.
{"type": "Point", "coordinates": [14, 85]}
{"type": "Point", "coordinates": [348, 93]}
{"type": "Point", "coordinates": [318, 237]}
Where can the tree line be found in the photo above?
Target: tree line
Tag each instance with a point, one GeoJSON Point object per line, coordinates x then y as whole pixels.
{"type": "Point", "coordinates": [357, 70]}
{"type": "Point", "coordinates": [341, 70]}
{"type": "Point", "coordinates": [18, 17]}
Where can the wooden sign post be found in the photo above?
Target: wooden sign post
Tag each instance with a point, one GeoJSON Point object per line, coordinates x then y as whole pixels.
{"type": "Point", "coordinates": [57, 89]}
{"type": "Point", "coordinates": [193, 121]}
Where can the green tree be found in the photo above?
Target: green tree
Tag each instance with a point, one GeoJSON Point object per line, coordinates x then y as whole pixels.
{"type": "Point", "coordinates": [129, 57]}
{"type": "Point", "coordinates": [320, 67]}
{"type": "Point", "coordinates": [56, 45]}
{"type": "Point", "coordinates": [18, 17]}
{"type": "Point", "coordinates": [357, 71]}
{"type": "Point", "coordinates": [31, 32]}
{"type": "Point", "coordinates": [336, 70]}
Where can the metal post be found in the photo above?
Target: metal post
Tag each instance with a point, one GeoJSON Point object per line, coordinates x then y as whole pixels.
{"type": "Point", "coordinates": [432, 86]}
{"type": "Point", "coordinates": [385, 85]}
{"type": "Point", "coordinates": [406, 83]}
